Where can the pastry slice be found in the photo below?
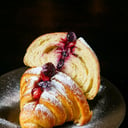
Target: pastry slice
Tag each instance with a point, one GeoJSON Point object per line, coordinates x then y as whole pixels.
{"type": "Point", "coordinates": [70, 55]}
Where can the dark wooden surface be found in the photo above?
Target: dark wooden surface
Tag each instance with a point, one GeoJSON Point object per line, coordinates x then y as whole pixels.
{"type": "Point", "coordinates": [103, 23]}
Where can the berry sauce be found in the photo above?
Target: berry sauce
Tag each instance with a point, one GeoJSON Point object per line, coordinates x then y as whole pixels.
{"type": "Point", "coordinates": [48, 70]}
{"type": "Point", "coordinates": [66, 49]}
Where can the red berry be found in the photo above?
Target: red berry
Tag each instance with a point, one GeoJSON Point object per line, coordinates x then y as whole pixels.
{"type": "Point", "coordinates": [71, 36]}
{"type": "Point", "coordinates": [36, 92]}
{"type": "Point", "coordinates": [44, 78]}
{"type": "Point", "coordinates": [49, 69]}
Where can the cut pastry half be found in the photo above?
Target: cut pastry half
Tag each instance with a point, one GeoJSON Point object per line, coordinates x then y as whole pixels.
{"type": "Point", "coordinates": [70, 55]}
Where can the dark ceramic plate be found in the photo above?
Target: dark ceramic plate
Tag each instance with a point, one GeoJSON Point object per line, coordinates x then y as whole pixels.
{"type": "Point", "coordinates": [108, 106]}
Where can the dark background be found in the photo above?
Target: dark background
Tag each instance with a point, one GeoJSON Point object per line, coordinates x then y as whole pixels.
{"type": "Point", "coordinates": [103, 24]}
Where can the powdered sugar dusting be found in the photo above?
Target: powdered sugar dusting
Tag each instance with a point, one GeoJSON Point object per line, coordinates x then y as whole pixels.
{"type": "Point", "coordinates": [44, 109]}
{"type": "Point", "coordinates": [33, 79]}
{"type": "Point", "coordinates": [29, 106]}
{"type": "Point", "coordinates": [65, 79]}
{"type": "Point", "coordinates": [36, 70]}
{"type": "Point", "coordinates": [31, 82]}
{"type": "Point", "coordinates": [70, 83]}
{"type": "Point", "coordinates": [58, 86]}
{"type": "Point", "coordinates": [51, 98]}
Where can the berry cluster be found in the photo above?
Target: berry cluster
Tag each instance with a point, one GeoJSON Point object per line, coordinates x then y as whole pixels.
{"type": "Point", "coordinates": [66, 49]}
{"type": "Point", "coordinates": [48, 70]}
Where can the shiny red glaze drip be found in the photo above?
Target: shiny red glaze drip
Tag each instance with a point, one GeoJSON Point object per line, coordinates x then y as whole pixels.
{"type": "Point", "coordinates": [36, 92]}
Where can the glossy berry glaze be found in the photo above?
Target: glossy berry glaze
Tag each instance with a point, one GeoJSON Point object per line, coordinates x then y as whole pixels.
{"type": "Point", "coordinates": [48, 70]}
{"type": "Point", "coordinates": [66, 48]}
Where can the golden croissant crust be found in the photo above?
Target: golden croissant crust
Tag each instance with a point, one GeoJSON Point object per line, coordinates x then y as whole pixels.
{"type": "Point", "coordinates": [61, 102]}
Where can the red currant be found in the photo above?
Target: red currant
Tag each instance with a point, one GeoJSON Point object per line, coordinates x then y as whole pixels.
{"type": "Point", "coordinates": [36, 92]}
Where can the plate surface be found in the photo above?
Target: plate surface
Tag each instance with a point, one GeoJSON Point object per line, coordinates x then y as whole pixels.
{"type": "Point", "coordinates": [108, 106]}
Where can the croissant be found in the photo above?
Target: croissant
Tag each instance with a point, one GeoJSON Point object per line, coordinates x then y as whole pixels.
{"type": "Point", "coordinates": [50, 98]}
{"type": "Point", "coordinates": [70, 55]}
